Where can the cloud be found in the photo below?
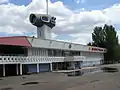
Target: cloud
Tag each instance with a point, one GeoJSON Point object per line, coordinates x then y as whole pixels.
{"type": "Point", "coordinates": [79, 1]}
{"type": "Point", "coordinates": [82, 38]}
{"type": "Point", "coordinates": [78, 25]}
{"type": "Point", "coordinates": [112, 13]}
{"type": "Point", "coordinates": [118, 34]}
{"type": "Point", "coordinates": [54, 35]}
{"type": "Point", "coordinates": [4, 1]}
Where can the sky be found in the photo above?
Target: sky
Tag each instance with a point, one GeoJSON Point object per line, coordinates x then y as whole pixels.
{"type": "Point", "coordinates": [75, 18]}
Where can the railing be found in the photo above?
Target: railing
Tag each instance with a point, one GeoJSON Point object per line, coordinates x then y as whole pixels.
{"type": "Point", "coordinates": [74, 58]}
{"type": "Point", "coordinates": [37, 59]}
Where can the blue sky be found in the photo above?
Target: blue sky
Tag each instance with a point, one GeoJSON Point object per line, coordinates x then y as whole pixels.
{"type": "Point", "coordinates": [79, 31]}
{"type": "Point", "coordinates": [87, 4]}
{"type": "Point", "coordinates": [20, 2]}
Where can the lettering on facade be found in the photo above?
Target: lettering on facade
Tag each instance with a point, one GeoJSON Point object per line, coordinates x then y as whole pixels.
{"type": "Point", "coordinates": [96, 49]}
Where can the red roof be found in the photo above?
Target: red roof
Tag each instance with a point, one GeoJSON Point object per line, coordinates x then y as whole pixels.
{"type": "Point", "coordinates": [15, 40]}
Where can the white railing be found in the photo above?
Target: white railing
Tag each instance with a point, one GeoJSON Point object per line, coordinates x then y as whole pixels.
{"type": "Point", "coordinates": [37, 59]}
{"type": "Point", "coordinates": [79, 58]}
{"type": "Point", "coordinates": [74, 58]}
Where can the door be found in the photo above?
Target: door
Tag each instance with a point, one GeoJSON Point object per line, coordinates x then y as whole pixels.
{"type": "Point", "coordinates": [44, 67]}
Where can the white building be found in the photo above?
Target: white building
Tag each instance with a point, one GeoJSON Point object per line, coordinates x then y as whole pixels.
{"type": "Point", "coordinates": [21, 54]}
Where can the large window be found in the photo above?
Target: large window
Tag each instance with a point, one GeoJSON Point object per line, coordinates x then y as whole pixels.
{"type": "Point", "coordinates": [55, 52]}
{"type": "Point", "coordinates": [75, 53]}
{"type": "Point", "coordinates": [58, 53]}
{"type": "Point", "coordinates": [50, 52]}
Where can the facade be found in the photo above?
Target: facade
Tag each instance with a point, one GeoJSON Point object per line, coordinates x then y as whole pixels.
{"type": "Point", "coordinates": [24, 55]}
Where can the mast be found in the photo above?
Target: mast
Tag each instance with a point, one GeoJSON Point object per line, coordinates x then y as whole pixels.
{"type": "Point", "coordinates": [47, 7]}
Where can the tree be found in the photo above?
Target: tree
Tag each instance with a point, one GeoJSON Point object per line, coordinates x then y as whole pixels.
{"type": "Point", "coordinates": [106, 37]}
{"type": "Point", "coordinates": [117, 53]}
{"type": "Point", "coordinates": [89, 44]}
{"type": "Point", "coordinates": [98, 37]}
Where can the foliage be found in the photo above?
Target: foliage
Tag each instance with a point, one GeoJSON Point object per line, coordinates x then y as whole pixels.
{"type": "Point", "coordinates": [106, 37]}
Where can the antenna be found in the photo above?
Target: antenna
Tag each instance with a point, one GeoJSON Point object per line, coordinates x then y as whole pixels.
{"type": "Point", "coordinates": [47, 7]}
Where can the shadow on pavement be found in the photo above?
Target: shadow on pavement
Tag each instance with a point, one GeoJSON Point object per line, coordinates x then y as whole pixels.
{"type": "Point", "coordinates": [75, 73]}
{"type": "Point", "coordinates": [8, 88]}
{"type": "Point", "coordinates": [30, 83]}
{"type": "Point", "coordinates": [109, 69]}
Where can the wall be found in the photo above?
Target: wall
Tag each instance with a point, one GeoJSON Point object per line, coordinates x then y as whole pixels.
{"type": "Point", "coordinates": [52, 44]}
{"type": "Point", "coordinates": [92, 58]}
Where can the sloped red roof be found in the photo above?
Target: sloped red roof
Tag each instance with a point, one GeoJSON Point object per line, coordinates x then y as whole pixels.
{"type": "Point", "coordinates": [15, 40]}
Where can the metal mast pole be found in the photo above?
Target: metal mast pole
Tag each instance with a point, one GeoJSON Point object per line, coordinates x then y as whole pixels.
{"type": "Point", "coordinates": [47, 7]}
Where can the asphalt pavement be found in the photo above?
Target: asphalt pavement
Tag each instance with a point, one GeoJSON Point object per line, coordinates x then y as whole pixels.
{"type": "Point", "coordinates": [60, 81]}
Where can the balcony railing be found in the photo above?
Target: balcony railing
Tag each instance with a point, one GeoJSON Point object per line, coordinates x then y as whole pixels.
{"type": "Point", "coordinates": [74, 58]}
{"type": "Point", "coordinates": [37, 59]}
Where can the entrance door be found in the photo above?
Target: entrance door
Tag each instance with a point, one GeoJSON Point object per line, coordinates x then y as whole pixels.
{"type": "Point", "coordinates": [1, 70]}
{"type": "Point", "coordinates": [10, 70]}
{"type": "Point", "coordinates": [44, 67]}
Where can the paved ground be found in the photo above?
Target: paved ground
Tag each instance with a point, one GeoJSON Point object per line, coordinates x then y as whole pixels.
{"type": "Point", "coordinates": [60, 81]}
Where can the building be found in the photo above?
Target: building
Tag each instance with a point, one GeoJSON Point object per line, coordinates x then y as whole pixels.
{"type": "Point", "coordinates": [23, 55]}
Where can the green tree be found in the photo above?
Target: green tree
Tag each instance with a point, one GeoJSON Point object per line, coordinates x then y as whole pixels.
{"type": "Point", "coordinates": [117, 53]}
{"type": "Point", "coordinates": [89, 44]}
{"type": "Point", "coordinates": [106, 37]}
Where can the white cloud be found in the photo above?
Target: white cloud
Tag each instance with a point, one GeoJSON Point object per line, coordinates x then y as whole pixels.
{"type": "Point", "coordinates": [4, 1]}
{"type": "Point", "coordinates": [54, 35]}
{"type": "Point", "coordinates": [82, 38]}
{"type": "Point", "coordinates": [10, 30]}
{"type": "Point", "coordinates": [79, 1]}
{"type": "Point", "coordinates": [118, 34]}
{"type": "Point", "coordinates": [79, 25]}
{"type": "Point", "coordinates": [113, 13]}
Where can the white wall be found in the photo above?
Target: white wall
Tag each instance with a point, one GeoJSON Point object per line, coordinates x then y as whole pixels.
{"type": "Point", "coordinates": [52, 44]}
{"type": "Point", "coordinates": [92, 58]}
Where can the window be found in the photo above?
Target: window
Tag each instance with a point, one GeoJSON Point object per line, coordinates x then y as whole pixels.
{"type": "Point", "coordinates": [55, 53]}
{"type": "Point", "coordinates": [50, 53]}
{"type": "Point", "coordinates": [63, 53]}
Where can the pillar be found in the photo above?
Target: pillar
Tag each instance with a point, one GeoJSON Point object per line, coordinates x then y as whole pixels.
{"type": "Point", "coordinates": [73, 65]}
{"type": "Point", "coordinates": [3, 69]}
{"type": "Point", "coordinates": [38, 68]}
{"type": "Point", "coordinates": [57, 65]}
{"type": "Point", "coordinates": [20, 69]}
{"type": "Point", "coordinates": [51, 68]}
{"type": "Point", "coordinates": [17, 70]}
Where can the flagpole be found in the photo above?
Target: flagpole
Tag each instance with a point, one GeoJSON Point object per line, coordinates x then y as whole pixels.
{"type": "Point", "coordinates": [47, 7]}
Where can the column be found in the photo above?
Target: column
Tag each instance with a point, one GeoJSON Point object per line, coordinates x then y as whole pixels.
{"type": "Point", "coordinates": [51, 67]}
{"type": "Point", "coordinates": [20, 69]}
{"type": "Point", "coordinates": [3, 69]}
{"type": "Point", "coordinates": [41, 52]}
{"type": "Point", "coordinates": [38, 68]}
{"type": "Point", "coordinates": [57, 65]}
{"type": "Point", "coordinates": [30, 52]}
{"type": "Point", "coordinates": [17, 70]}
